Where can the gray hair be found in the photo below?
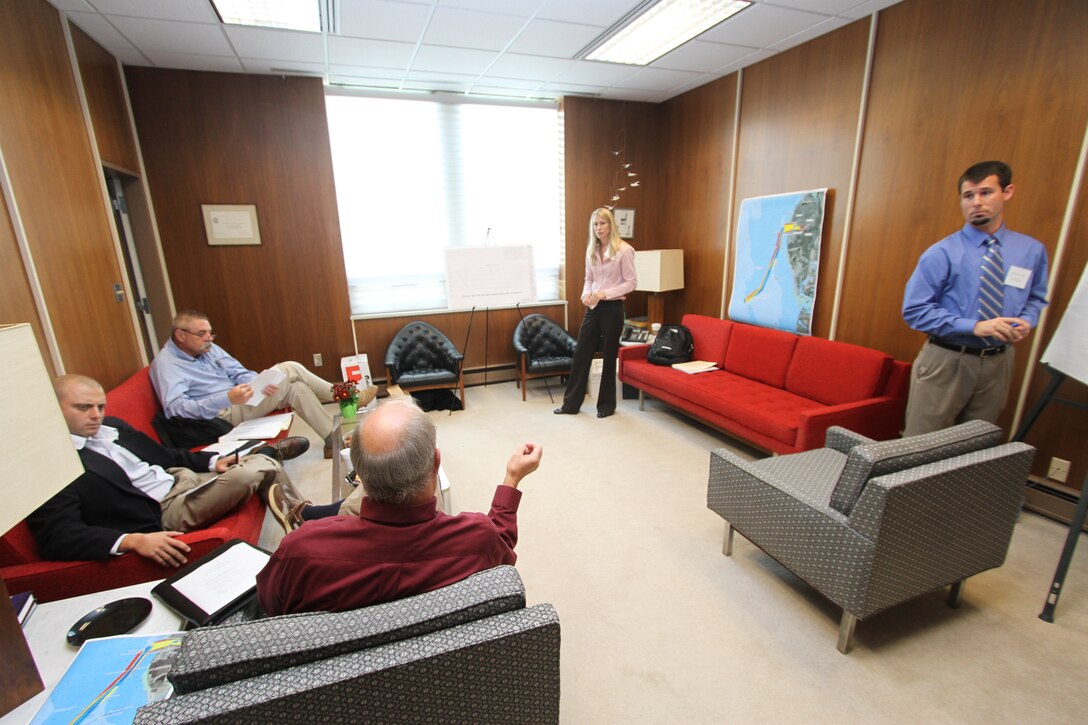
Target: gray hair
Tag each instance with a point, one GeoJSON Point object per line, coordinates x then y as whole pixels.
{"type": "Point", "coordinates": [402, 472]}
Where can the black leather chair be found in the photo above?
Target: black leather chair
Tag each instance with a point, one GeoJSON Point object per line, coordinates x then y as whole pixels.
{"type": "Point", "coordinates": [422, 358]}
{"type": "Point", "coordinates": [544, 349]}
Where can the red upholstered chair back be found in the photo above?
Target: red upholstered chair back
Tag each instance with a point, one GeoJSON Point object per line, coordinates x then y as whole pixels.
{"type": "Point", "coordinates": [134, 401]}
{"type": "Point", "coordinates": [18, 546]}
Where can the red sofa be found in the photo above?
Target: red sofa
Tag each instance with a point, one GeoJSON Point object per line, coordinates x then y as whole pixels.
{"type": "Point", "coordinates": [22, 567]}
{"type": "Point", "coordinates": [776, 390]}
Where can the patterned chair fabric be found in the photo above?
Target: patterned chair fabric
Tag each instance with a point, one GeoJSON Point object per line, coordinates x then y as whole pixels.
{"type": "Point", "coordinates": [912, 530]}
{"type": "Point", "coordinates": [469, 652]}
{"type": "Point", "coordinates": [499, 669]}
{"type": "Point", "coordinates": [213, 656]}
{"type": "Point", "coordinates": [420, 357]}
{"type": "Point", "coordinates": [544, 349]}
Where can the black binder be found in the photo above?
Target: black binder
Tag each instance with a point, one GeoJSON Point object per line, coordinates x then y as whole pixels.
{"type": "Point", "coordinates": [243, 588]}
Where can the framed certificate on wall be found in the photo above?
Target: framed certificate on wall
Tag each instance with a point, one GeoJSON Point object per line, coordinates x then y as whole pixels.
{"type": "Point", "coordinates": [231, 224]}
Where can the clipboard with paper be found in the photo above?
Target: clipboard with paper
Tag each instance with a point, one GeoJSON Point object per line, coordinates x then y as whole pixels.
{"type": "Point", "coordinates": [209, 590]}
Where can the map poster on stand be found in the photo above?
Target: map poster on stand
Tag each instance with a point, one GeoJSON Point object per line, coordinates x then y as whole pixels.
{"type": "Point", "coordinates": [777, 260]}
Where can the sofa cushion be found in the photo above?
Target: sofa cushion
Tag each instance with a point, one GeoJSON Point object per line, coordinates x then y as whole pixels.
{"type": "Point", "coordinates": [760, 353]}
{"type": "Point", "coordinates": [217, 655]}
{"type": "Point", "coordinates": [870, 460]}
{"type": "Point", "coordinates": [836, 372]}
{"type": "Point", "coordinates": [711, 337]}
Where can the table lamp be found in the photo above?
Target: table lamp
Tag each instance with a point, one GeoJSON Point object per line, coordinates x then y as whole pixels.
{"type": "Point", "coordinates": [659, 270]}
{"type": "Point", "coordinates": [39, 460]}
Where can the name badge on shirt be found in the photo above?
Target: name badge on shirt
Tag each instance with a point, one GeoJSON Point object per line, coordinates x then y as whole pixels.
{"type": "Point", "coordinates": [1018, 277]}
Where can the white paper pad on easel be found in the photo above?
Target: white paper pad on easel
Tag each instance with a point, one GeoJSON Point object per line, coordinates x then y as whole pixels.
{"type": "Point", "coordinates": [266, 427]}
{"type": "Point", "coordinates": [271, 376]}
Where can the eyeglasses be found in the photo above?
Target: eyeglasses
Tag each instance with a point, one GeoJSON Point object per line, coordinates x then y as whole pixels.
{"type": "Point", "coordinates": [201, 333]}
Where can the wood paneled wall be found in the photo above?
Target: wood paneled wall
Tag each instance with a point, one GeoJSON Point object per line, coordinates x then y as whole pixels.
{"type": "Point", "coordinates": [220, 138]}
{"type": "Point", "coordinates": [106, 102]}
{"type": "Point", "coordinates": [798, 127]}
{"type": "Point", "coordinates": [594, 129]}
{"type": "Point", "coordinates": [696, 191]}
{"type": "Point", "coordinates": [57, 190]}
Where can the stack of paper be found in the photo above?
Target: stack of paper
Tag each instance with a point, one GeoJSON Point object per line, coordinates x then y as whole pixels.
{"type": "Point", "coordinates": [266, 427]}
{"type": "Point", "coordinates": [695, 366]}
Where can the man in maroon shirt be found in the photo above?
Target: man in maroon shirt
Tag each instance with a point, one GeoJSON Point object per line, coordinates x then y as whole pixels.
{"type": "Point", "coordinates": [400, 544]}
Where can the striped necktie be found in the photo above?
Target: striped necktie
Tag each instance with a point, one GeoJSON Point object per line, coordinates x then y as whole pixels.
{"type": "Point", "coordinates": [991, 291]}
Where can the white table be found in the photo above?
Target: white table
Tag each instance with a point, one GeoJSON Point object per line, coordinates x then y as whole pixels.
{"type": "Point", "coordinates": [49, 624]}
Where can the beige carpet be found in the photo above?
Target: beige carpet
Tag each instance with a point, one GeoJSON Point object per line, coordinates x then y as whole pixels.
{"type": "Point", "coordinates": [659, 627]}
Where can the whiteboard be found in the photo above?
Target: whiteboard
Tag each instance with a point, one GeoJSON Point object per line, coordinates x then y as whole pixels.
{"type": "Point", "coordinates": [1068, 349]}
{"type": "Point", "coordinates": [489, 276]}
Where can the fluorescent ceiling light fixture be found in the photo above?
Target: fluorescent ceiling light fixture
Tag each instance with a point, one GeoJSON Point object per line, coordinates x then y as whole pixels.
{"type": "Point", "coordinates": [654, 28]}
{"type": "Point", "coordinates": [286, 14]}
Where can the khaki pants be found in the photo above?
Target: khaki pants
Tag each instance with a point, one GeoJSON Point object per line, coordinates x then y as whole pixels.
{"type": "Point", "coordinates": [301, 389]}
{"type": "Point", "coordinates": [949, 387]}
{"type": "Point", "coordinates": [185, 511]}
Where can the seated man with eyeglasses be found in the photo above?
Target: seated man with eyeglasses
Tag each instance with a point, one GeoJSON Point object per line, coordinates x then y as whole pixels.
{"type": "Point", "coordinates": [196, 379]}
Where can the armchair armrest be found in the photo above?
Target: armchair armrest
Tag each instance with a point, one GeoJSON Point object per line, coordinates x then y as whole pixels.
{"type": "Point", "coordinates": [881, 417]}
{"type": "Point", "coordinates": [213, 656]}
{"type": "Point", "coordinates": [842, 440]}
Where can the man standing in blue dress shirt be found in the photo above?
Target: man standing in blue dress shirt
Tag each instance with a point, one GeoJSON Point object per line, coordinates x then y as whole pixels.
{"type": "Point", "coordinates": [975, 293]}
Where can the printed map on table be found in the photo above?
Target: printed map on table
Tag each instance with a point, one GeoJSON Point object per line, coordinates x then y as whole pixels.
{"type": "Point", "coordinates": [111, 678]}
{"type": "Point", "coordinates": [778, 260]}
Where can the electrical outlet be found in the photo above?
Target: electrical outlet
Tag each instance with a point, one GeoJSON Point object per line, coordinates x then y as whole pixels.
{"type": "Point", "coordinates": [317, 360]}
{"type": "Point", "coordinates": [1059, 470]}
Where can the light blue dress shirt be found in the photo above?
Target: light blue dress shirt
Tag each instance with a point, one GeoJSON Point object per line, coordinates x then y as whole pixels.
{"type": "Point", "coordinates": [941, 297]}
{"type": "Point", "coordinates": [195, 387]}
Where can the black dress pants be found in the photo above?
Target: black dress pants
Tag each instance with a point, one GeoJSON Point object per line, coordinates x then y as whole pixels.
{"type": "Point", "coordinates": [601, 329]}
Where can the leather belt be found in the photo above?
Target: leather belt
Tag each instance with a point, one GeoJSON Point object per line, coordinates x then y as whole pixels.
{"type": "Point", "coordinates": [967, 349]}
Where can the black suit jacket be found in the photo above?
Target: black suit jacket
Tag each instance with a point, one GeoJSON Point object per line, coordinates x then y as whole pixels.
{"type": "Point", "coordinates": [85, 519]}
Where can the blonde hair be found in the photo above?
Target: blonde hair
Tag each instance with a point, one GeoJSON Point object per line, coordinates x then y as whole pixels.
{"type": "Point", "coordinates": [614, 236]}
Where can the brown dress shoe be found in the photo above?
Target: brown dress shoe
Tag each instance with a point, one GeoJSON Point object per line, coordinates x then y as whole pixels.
{"type": "Point", "coordinates": [289, 448]}
{"type": "Point", "coordinates": [285, 509]}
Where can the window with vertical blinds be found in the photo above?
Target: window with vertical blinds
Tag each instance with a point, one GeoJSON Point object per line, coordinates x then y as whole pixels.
{"type": "Point", "coordinates": [414, 177]}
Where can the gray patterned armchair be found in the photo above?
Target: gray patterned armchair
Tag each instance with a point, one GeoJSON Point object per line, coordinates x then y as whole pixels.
{"type": "Point", "coordinates": [544, 349]}
{"type": "Point", "coordinates": [872, 524]}
{"type": "Point", "coordinates": [469, 652]}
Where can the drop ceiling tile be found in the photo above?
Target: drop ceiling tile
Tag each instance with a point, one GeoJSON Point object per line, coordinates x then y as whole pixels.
{"type": "Point", "coordinates": [548, 37]}
{"type": "Point", "coordinates": [273, 43]}
{"type": "Point", "coordinates": [657, 79]}
{"type": "Point", "coordinates": [364, 82]}
{"type": "Point", "coordinates": [183, 61]}
{"type": "Point", "coordinates": [521, 8]}
{"type": "Point", "coordinates": [266, 66]}
{"type": "Point", "coordinates": [169, 36]}
{"type": "Point", "coordinates": [596, 73]}
{"type": "Point", "coordinates": [195, 11]}
{"type": "Point", "coordinates": [698, 55]}
{"type": "Point", "coordinates": [580, 89]}
{"type": "Point", "coordinates": [379, 53]}
{"type": "Point", "coordinates": [528, 67]}
{"type": "Point", "coordinates": [595, 12]}
{"type": "Point", "coordinates": [453, 60]}
{"type": "Point", "coordinates": [471, 29]}
{"type": "Point", "coordinates": [761, 25]}
{"type": "Point", "coordinates": [102, 31]}
{"type": "Point", "coordinates": [868, 8]}
{"type": "Point", "coordinates": [828, 7]}
{"type": "Point", "coordinates": [814, 32]}
{"type": "Point", "coordinates": [365, 72]}
{"type": "Point", "coordinates": [382, 19]}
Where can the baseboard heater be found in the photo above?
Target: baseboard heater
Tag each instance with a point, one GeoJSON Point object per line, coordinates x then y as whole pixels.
{"type": "Point", "coordinates": [1050, 499]}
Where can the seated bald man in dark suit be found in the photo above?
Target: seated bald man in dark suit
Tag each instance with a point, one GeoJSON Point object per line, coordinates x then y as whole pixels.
{"type": "Point", "coordinates": [136, 495]}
